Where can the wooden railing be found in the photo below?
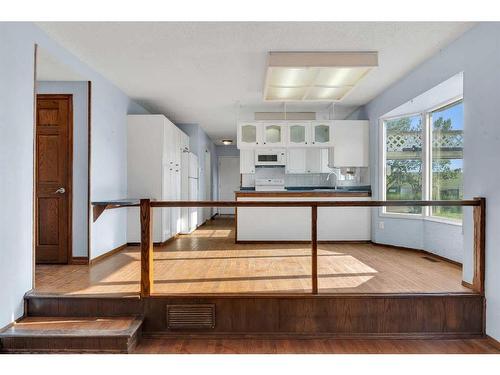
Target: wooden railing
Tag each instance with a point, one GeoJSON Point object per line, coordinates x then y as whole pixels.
{"type": "Point", "coordinates": [146, 205]}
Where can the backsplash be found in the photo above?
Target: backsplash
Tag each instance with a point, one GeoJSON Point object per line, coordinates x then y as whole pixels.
{"type": "Point", "coordinates": [362, 177]}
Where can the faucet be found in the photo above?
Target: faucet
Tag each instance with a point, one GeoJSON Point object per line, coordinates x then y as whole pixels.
{"type": "Point", "coordinates": [336, 177]}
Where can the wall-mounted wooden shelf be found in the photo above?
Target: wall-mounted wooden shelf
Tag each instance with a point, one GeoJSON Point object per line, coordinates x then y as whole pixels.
{"type": "Point", "coordinates": [99, 207]}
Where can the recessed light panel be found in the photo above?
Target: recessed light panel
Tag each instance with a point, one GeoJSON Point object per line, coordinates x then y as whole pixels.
{"type": "Point", "coordinates": [315, 76]}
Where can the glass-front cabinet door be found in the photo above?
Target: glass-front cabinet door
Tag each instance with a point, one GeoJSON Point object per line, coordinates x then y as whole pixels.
{"type": "Point", "coordinates": [248, 134]}
{"type": "Point", "coordinates": [321, 133]}
{"type": "Point", "coordinates": [273, 134]}
{"type": "Point", "coordinates": [298, 134]}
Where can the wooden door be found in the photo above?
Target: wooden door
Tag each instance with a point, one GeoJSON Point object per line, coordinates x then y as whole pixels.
{"type": "Point", "coordinates": [53, 171]}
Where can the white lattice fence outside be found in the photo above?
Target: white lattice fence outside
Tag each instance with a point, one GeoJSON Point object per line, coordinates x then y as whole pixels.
{"type": "Point", "coordinates": [405, 141]}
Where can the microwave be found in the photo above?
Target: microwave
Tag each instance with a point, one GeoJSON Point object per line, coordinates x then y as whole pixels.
{"type": "Point", "coordinates": [270, 157]}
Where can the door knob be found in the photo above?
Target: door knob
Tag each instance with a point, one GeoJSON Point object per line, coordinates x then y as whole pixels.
{"type": "Point", "coordinates": [61, 190]}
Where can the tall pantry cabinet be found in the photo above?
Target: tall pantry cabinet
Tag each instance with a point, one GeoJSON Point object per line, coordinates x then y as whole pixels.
{"type": "Point", "coordinates": [155, 171]}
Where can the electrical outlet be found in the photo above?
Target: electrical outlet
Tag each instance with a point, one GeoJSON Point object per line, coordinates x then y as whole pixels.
{"type": "Point", "coordinates": [381, 225]}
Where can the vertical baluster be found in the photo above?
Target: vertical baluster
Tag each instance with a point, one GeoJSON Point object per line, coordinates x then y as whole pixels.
{"type": "Point", "coordinates": [479, 216]}
{"type": "Point", "coordinates": [314, 248]}
{"type": "Point", "coordinates": [146, 248]}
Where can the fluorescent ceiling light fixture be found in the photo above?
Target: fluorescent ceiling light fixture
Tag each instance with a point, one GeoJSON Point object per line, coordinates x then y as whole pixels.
{"type": "Point", "coordinates": [315, 76]}
{"type": "Point", "coordinates": [227, 142]}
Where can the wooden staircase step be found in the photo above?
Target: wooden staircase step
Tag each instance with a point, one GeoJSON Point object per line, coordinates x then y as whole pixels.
{"type": "Point", "coordinates": [72, 334]}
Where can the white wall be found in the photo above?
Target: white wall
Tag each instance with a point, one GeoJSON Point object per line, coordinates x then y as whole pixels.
{"type": "Point", "coordinates": [79, 90]}
{"type": "Point", "coordinates": [108, 158]}
{"type": "Point", "coordinates": [477, 54]}
{"type": "Point", "coordinates": [16, 168]}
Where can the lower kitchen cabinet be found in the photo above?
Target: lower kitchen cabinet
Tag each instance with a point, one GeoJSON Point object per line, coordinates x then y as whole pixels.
{"type": "Point", "coordinates": [294, 223]}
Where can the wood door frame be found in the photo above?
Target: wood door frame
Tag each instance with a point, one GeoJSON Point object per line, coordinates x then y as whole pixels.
{"type": "Point", "coordinates": [82, 260]}
{"type": "Point", "coordinates": [69, 188]}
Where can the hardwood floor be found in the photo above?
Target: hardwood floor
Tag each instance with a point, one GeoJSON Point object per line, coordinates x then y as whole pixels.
{"type": "Point", "coordinates": [208, 261]}
{"type": "Point", "coordinates": [313, 346]}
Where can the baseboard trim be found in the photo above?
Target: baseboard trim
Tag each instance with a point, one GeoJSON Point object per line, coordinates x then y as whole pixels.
{"type": "Point", "coordinates": [108, 254]}
{"type": "Point", "coordinates": [466, 284]}
{"type": "Point", "coordinates": [493, 342]}
{"type": "Point", "coordinates": [6, 327]}
{"type": "Point", "coordinates": [155, 243]}
{"type": "Point", "coordinates": [420, 251]}
{"type": "Point", "coordinates": [79, 260]}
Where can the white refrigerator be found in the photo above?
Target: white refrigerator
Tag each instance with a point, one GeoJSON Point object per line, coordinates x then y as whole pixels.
{"type": "Point", "coordinates": [190, 214]}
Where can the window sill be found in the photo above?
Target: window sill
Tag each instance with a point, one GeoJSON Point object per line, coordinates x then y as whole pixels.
{"type": "Point", "coordinates": [401, 216]}
{"type": "Point", "coordinates": [420, 217]}
{"type": "Point", "coordinates": [443, 221]}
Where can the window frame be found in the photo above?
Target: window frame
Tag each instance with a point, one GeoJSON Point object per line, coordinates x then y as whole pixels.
{"type": "Point", "coordinates": [425, 116]}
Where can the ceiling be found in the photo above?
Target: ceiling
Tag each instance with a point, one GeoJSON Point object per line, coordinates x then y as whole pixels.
{"type": "Point", "coordinates": [202, 72]}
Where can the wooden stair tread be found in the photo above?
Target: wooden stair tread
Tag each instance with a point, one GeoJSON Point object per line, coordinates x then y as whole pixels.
{"type": "Point", "coordinates": [77, 326]}
{"type": "Point", "coordinates": [116, 334]}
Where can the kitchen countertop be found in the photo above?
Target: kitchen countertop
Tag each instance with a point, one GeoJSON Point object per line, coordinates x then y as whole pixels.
{"type": "Point", "coordinates": [306, 192]}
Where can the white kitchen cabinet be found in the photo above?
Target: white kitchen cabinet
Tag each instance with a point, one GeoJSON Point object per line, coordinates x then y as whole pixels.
{"type": "Point", "coordinates": [324, 161]}
{"type": "Point", "coordinates": [247, 161]}
{"type": "Point", "coordinates": [298, 134]}
{"type": "Point", "coordinates": [296, 161]}
{"type": "Point", "coordinates": [351, 143]}
{"type": "Point", "coordinates": [175, 212]}
{"type": "Point", "coordinates": [321, 133]}
{"type": "Point", "coordinates": [294, 223]}
{"type": "Point", "coordinates": [249, 134]}
{"type": "Point", "coordinates": [313, 160]}
{"type": "Point", "coordinates": [253, 134]}
{"type": "Point", "coordinates": [153, 171]}
{"type": "Point", "coordinates": [273, 134]}
{"type": "Point", "coordinates": [304, 160]}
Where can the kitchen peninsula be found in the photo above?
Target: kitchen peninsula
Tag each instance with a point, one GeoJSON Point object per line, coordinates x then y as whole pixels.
{"type": "Point", "coordinates": [294, 223]}
{"type": "Point", "coordinates": [317, 160]}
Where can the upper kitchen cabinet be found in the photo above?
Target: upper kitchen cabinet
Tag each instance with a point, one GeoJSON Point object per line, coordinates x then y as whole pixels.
{"type": "Point", "coordinates": [257, 134]}
{"type": "Point", "coordinates": [248, 134]}
{"type": "Point", "coordinates": [247, 161]}
{"type": "Point", "coordinates": [298, 134]}
{"type": "Point", "coordinates": [351, 143]}
{"type": "Point", "coordinates": [309, 134]}
{"type": "Point", "coordinates": [321, 133]}
{"type": "Point", "coordinates": [274, 134]}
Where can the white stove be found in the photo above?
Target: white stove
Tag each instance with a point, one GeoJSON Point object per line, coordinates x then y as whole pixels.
{"type": "Point", "coordinates": [269, 184]}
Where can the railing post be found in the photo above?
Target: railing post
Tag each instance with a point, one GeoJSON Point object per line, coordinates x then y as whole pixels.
{"type": "Point", "coordinates": [314, 248]}
{"type": "Point", "coordinates": [146, 248]}
{"type": "Point", "coordinates": [479, 218]}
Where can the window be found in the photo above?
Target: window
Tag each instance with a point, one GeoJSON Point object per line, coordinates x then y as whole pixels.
{"type": "Point", "coordinates": [414, 144]}
{"type": "Point", "coordinates": [447, 158]}
{"type": "Point", "coordinates": [403, 162]}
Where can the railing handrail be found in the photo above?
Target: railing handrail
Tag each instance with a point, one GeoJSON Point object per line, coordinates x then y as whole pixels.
{"type": "Point", "coordinates": [310, 203]}
{"type": "Point", "coordinates": [146, 205]}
